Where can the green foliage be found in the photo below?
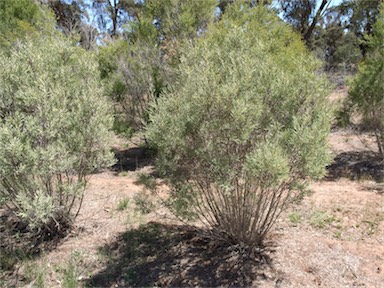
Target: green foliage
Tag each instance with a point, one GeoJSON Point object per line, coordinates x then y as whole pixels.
{"type": "Point", "coordinates": [298, 13]}
{"type": "Point", "coordinates": [71, 273]}
{"type": "Point", "coordinates": [345, 50]}
{"type": "Point", "coordinates": [366, 94]}
{"type": "Point", "coordinates": [123, 204]}
{"type": "Point", "coordinates": [320, 219]}
{"type": "Point", "coordinates": [245, 122]}
{"type": "Point", "coordinates": [335, 46]}
{"type": "Point", "coordinates": [54, 129]}
{"type": "Point", "coordinates": [172, 20]}
{"type": "Point", "coordinates": [143, 204]}
{"type": "Point", "coordinates": [19, 18]}
{"type": "Point", "coordinates": [138, 68]}
{"type": "Point", "coordinates": [148, 181]}
{"type": "Point", "coordinates": [361, 18]}
{"type": "Point", "coordinates": [304, 16]}
{"type": "Point", "coordinates": [35, 273]}
{"type": "Point", "coordinates": [132, 76]}
{"type": "Point", "coordinates": [121, 127]}
{"type": "Point", "coordinates": [295, 217]}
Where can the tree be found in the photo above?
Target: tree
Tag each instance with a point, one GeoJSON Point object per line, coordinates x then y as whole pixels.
{"type": "Point", "coordinates": [366, 94]}
{"type": "Point", "coordinates": [222, 4]}
{"type": "Point", "coordinates": [72, 19]}
{"type": "Point", "coordinates": [54, 130]}
{"type": "Point", "coordinates": [167, 23]}
{"type": "Point", "coordinates": [111, 12]}
{"type": "Point", "coordinates": [238, 135]}
{"type": "Point", "coordinates": [361, 17]}
{"type": "Point", "coordinates": [303, 15]}
{"type": "Point", "coordinates": [68, 15]}
{"type": "Point", "coordinates": [333, 43]}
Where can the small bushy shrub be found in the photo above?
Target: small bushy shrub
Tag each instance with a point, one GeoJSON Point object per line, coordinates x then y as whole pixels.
{"type": "Point", "coordinates": [244, 126]}
{"type": "Point", "coordinates": [54, 129]}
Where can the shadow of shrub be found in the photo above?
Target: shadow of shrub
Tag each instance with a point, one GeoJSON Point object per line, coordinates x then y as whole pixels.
{"type": "Point", "coordinates": [357, 165]}
{"type": "Point", "coordinates": [133, 158]}
{"type": "Point", "coordinates": [19, 243]}
{"type": "Point", "coordinates": [173, 256]}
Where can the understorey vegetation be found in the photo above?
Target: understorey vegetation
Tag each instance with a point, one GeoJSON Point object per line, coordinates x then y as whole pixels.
{"type": "Point", "coordinates": [54, 130]}
{"type": "Point", "coordinates": [239, 135]}
{"type": "Point", "coordinates": [256, 123]}
{"type": "Point", "coordinates": [366, 94]}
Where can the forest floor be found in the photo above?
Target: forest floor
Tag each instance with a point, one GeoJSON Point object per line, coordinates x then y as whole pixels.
{"type": "Point", "coordinates": [334, 238]}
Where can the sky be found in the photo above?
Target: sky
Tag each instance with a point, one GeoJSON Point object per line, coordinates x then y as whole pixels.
{"type": "Point", "coordinates": [92, 18]}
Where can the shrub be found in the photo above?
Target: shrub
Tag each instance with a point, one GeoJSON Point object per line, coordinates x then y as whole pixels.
{"type": "Point", "coordinates": [137, 68]}
{"type": "Point", "coordinates": [54, 130]}
{"type": "Point", "coordinates": [243, 127]}
{"type": "Point", "coordinates": [133, 77]}
{"type": "Point", "coordinates": [19, 18]}
{"type": "Point", "coordinates": [366, 94]}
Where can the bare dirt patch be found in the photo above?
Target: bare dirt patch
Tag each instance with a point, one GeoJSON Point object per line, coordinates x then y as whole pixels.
{"type": "Point", "coordinates": [338, 239]}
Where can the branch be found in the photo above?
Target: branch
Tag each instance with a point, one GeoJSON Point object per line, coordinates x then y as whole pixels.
{"type": "Point", "coordinates": [324, 5]}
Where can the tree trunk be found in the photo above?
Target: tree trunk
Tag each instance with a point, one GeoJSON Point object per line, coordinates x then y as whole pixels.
{"type": "Point", "coordinates": [114, 14]}
{"type": "Point", "coordinates": [308, 34]}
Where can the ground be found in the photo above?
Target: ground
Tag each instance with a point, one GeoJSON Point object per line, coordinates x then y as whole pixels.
{"type": "Point", "coordinates": [334, 238]}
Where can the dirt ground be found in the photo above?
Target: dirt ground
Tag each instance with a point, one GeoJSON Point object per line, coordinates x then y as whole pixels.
{"type": "Point", "coordinates": [334, 238]}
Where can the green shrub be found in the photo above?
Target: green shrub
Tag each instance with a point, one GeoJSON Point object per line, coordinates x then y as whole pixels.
{"type": "Point", "coordinates": [137, 68]}
{"type": "Point", "coordinates": [54, 129]}
{"type": "Point", "coordinates": [19, 18]}
{"type": "Point", "coordinates": [133, 77]}
{"type": "Point", "coordinates": [366, 94]}
{"type": "Point", "coordinates": [243, 126]}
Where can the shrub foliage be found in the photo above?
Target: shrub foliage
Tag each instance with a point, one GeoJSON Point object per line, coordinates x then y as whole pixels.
{"type": "Point", "coordinates": [133, 76]}
{"type": "Point", "coordinates": [244, 126]}
{"type": "Point", "coordinates": [366, 94]}
{"type": "Point", "coordinates": [54, 129]}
